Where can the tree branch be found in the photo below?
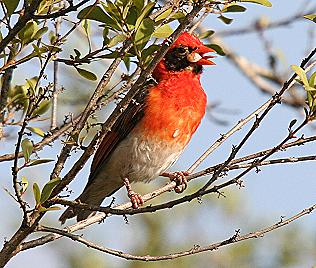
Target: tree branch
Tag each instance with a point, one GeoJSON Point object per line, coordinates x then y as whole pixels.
{"type": "Point", "coordinates": [194, 250]}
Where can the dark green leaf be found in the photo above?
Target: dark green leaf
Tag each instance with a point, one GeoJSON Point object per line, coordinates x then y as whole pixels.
{"type": "Point", "coordinates": [116, 39]}
{"type": "Point", "coordinates": [163, 31]}
{"type": "Point", "coordinates": [48, 188]}
{"type": "Point", "coordinates": [127, 62]}
{"type": "Point", "coordinates": [260, 2]}
{"type": "Point", "coordinates": [149, 52]}
{"type": "Point", "coordinates": [27, 148]}
{"type": "Point", "coordinates": [292, 123]}
{"type": "Point", "coordinates": [225, 19]}
{"type": "Point", "coordinates": [111, 55]}
{"type": "Point", "coordinates": [311, 17]}
{"type": "Point", "coordinates": [105, 36]}
{"type": "Point", "coordinates": [144, 33]}
{"type": "Point", "coordinates": [37, 193]}
{"type": "Point", "coordinates": [112, 10]}
{"type": "Point", "coordinates": [139, 4]}
{"type": "Point", "coordinates": [146, 10]}
{"type": "Point", "coordinates": [233, 8]}
{"type": "Point", "coordinates": [86, 74]}
{"type": "Point", "coordinates": [40, 33]}
{"type": "Point", "coordinates": [131, 18]}
{"type": "Point", "coordinates": [39, 161]}
{"type": "Point", "coordinates": [77, 52]}
{"type": "Point", "coordinates": [206, 34]}
{"type": "Point", "coordinates": [217, 48]}
{"type": "Point", "coordinates": [97, 14]}
{"type": "Point", "coordinates": [11, 5]}
{"type": "Point", "coordinates": [311, 80]}
{"type": "Point", "coordinates": [310, 99]}
{"type": "Point", "coordinates": [37, 131]}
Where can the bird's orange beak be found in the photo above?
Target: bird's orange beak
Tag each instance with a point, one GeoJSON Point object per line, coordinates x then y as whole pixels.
{"type": "Point", "coordinates": [198, 57]}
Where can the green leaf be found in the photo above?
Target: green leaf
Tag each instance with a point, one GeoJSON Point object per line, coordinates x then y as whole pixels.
{"type": "Point", "coordinates": [11, 5]}
{"type": "Point", "coordinates": [217, 48]}
{"type": "Point", "coordinates": [310, 99]}
{"type": "Point", "coordinates": [311, 17]}
{"type": "Point", "coordinates": [28, 32]}
{"type": "Point", "coordinates": [37, 131]}
{"type": "Point", "coordinates": [116, 39]}
{"type": "Point", "coordinates": [148, 53]}
{"type": "Point", "coordinates": [164, 15]}
{"type": "Point", "coordinates": [86, 74]}
{"type": "Point", "coordinates": [27, 148]}
{"type": "Point", "coordinates": [121, 3]}
{"type": "Point", "coordinates": [97, 14]}
{"type": "Point", "coordinates": [42, 108]}
{"type": "Point", "coordinates": [301, 74]}
{"type": "Point", "coordinates": [178, 15]}
{"type": "Point", "coordinates": [86, 27]}
{"type": "Point", "coordinates": [312, 80]}
{"type": "Point", "coordinates": [206, 34]}
{"type": "Point", "coordinates": [111, 55]}
{"type": "Point", "coordinates": [48, 189]}
{"type": "Point", "coordinates": [127, 62]}
{"type": "Point", "coordinates": [143, 33]}
{"type": "Point", "coordinates": [131, 18]}
{"type": "Point", "coordinates": [163, 31]}
{"type": "Point", "coordinates": [39, 161]}
{"type": "Point", "coordinates": [139, 4]}
{"type": "Point", "coordinates": [37, 193]}
{"type": "Point", "coordinates": [233, 8]}
{"type": "Point", "coordinates": [113, 12]}
{"type": "Point", "coordinates": [43, 209]}
{"type": "Point", "coordinates": [146, 10]}
{"type": "Point", "coordinates": [260, 2]}
{"type": "Point", "coordinates": [292, 123]}
{"type": "Point", "coordinates": [225, 19]}
{"type": "Point", "coordinates": [24, 184]}
{"type": "Point", "coordinates": [40, 33]}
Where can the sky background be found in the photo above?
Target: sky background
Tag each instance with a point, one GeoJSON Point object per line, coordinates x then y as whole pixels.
{"type": "Point", "coordinates": [276, 191]}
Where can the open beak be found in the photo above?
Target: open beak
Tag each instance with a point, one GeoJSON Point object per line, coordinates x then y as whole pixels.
{"type": "Point", "coordinates": [197, 56]}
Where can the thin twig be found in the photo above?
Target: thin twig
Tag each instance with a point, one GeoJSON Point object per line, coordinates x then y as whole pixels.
{"type": "Point", "coordinates": [57, 233]}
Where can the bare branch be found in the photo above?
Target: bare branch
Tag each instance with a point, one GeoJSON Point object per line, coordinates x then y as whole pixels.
{"type": "Point", "coordinates": [194, 250]}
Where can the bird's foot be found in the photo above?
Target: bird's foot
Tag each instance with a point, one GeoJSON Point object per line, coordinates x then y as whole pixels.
{"type": "Point", "coordinates": [136, 199]}
{"type": "Point", "coordinates": [180, 179]}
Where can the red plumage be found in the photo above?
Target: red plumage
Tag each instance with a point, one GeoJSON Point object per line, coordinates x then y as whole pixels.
{"type": "Point", "coordinates": [154, 129]}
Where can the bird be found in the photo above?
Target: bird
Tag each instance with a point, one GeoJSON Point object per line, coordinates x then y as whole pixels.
{"type": "Point", "coordinates": [153, 131]}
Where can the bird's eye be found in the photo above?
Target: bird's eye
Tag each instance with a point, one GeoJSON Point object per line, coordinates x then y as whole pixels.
{"type": "Point", "coordinates": [182, 51]}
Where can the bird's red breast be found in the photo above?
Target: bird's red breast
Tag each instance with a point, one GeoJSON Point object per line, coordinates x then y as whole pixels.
{"type": "Point", "coordinates": [174, 108]}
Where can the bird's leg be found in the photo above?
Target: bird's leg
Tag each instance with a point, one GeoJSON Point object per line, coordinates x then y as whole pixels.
{"type": "Point", "coordinates": [179, 178]}
{"type": "Point", "coordinates": [135, 198]}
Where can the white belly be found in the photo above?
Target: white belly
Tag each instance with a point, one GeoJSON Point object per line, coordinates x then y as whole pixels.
{"type": "Point", "coordinates": [140, 159]}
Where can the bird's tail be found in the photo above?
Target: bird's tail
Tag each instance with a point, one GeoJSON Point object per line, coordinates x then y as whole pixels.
{"type": "Point", "coordinates": [93, 194]}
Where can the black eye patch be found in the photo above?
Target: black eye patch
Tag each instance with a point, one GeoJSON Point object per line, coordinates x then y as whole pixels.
{"type": "Point", "coordinates": [176, 59]}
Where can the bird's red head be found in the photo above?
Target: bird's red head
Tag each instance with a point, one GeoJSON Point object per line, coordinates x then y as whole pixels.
{"type": "Point", "coordinates": [186, 53]}
{"type": "Point", "coordinates": [191, 41]}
